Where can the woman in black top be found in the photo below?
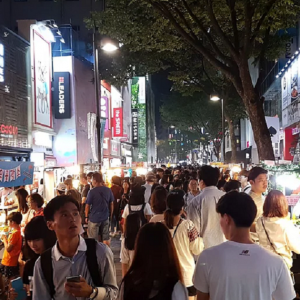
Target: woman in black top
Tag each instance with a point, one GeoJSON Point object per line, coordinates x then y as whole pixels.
{"type": "Point", "coordinates": [38, 238]}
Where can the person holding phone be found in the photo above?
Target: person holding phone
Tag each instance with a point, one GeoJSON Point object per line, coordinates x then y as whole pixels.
{"type": "Point", "coordinates": [38, 238]}
{"type": "Point", "coordinates": [71, 256]}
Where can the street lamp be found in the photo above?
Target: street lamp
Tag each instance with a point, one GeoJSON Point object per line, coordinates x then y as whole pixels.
{"type": "Point", "coordinates": [215, 98]}
{"type": "Point", "coordinates": [106, 45]}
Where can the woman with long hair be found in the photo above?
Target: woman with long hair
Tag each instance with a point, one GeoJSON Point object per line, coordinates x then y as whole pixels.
{"type": "Point", "coordinates": [133, 225]}
{"type": "Point", "coordinates": [275, 231]}
{"type": "Point", "coordinates": [38, 238]}
{"type": "Point", "coordinates": [124, 202]}
{"type": "Point", "coordinates": [186, 239]}
{"type": "Point", "coordinates": [23, 208]}
{"type": "Point", "coordinates": [158, 204]}
{"type": "Point", "coordinates": [155, 271]}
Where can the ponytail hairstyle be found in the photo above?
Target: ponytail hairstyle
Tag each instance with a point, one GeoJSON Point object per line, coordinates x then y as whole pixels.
{"type": "Point", "coordinates": [175, 203]}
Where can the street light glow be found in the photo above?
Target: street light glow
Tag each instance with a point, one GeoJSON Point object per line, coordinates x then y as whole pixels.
{"type": "Point", "coordinates": [109, 47]}
{"type": "Point", "coordinates": [214, 98]}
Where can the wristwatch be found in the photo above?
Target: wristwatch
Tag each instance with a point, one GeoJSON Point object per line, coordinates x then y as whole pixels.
{"type": "Point", "coordinates": [94, 294]}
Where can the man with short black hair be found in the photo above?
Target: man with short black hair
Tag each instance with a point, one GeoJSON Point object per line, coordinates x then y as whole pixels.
{"type": "Point", "coordinates": [244, 270]}
{"type": "Point", "coordinates": [258, 178]}
{"type": "Point", "coordinates": [202, 209]}
{"type": "Point", "coordinates": [71, 256]}
{"type": "Point", "coordinates": [100, 200]}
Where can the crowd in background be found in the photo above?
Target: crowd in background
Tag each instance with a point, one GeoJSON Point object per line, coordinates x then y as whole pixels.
{"type": "Point", "coordinates": [185, 233]}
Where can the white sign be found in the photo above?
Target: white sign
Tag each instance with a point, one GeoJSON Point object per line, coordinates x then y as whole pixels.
{"type": "Point", "coordinates": [142, 90]}
{"type": "Point", "coordinates": [1, 63]}
{"type": "Point", "coordinates": [42, 58]}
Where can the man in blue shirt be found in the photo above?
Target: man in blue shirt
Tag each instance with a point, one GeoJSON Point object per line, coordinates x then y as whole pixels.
{"type": "Point", "coordinates": [99, 205]}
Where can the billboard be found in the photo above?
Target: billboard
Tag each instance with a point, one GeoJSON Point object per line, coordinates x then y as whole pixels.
{"type": "Point", "coordinates": [16, 173]}
{"type": "Point", "coordinates": [61, 95]}
{"type": "Point", "coordinates": [42, 61]}
{"type": "Point", "coordinates": [104, 106]}
{"type": "Point", "coordinates": [118, 122]}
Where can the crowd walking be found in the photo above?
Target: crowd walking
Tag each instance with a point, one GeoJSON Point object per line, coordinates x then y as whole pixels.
{"type": "Point", "coordinates": [186, 234]}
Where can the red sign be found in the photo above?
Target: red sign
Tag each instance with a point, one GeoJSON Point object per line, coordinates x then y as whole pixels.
{"type": "Point", "coordinates": [118, 122]}
{"type": "Point", "coordinates": [12, 130]}
{"type": "Point", "coordinates": [248, 144]}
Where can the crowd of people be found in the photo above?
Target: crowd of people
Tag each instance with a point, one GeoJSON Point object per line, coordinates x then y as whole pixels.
{"type": "Point", "coordinates": [186, 233]}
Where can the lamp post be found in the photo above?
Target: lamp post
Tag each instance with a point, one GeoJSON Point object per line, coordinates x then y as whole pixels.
{"type": "Point", "coordinates": [108, 46]}
{"type": "Point", "coordinates": [216, 98]}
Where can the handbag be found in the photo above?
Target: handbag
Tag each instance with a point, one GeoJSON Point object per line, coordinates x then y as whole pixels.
{"type": "Point", "coordinates": [274, 248]}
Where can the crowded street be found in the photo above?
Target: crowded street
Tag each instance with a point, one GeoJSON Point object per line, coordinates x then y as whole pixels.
{"type": "Point", "coordinates": [149, 150]}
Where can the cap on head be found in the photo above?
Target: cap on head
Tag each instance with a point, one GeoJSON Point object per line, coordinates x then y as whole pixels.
{"type": "Point", "coordinates": [61, 187]}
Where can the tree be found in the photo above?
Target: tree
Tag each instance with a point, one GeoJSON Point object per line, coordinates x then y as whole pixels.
{"type": "Point", "coordinates": [225, 33]}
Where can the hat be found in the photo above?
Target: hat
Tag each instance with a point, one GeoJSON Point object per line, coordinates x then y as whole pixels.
{"type": "Point", "coordinates": [150, 178]}
{"type": "Point", "coordinates": [61, 187]}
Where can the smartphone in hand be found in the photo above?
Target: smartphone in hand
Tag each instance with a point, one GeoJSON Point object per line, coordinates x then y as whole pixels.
{"type": "Point", "coordinates": [17, 285]}
{"type": "Point", "coordinates": [73, 279]}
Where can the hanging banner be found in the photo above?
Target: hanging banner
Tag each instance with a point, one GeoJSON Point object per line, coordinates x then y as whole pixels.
{"type": "Point", "coordinates": [118, 122]}
{"type": "Point", "coordinates": [135, 126]}
{"type": "Point", "coordinates": [42, 58]}
{"type": "Point", "coordinates": [61, 95]}
{"type": "Point", "coordinates": [16, 173]}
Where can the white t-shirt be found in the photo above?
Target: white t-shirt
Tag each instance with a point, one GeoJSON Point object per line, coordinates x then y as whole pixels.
{"type": "Point", "coordinates": [157, 218]}
{"type": "Point", "coordinates": [179, 292]}
{"type": "Point", "coordinates": [234, 271]}
{"type": "Point", "coordinates": [126, 255]}
{"type": "Point", "coordinates": [187, 243]}
{"type": "Point", "coordinates": [147, 210]}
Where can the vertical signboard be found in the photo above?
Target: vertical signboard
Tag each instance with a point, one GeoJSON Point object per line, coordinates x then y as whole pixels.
{"type": "Point", "coordinates": [42, 80]}
{"type": "Point", "coordinates": [135, 126]}
{"type": "Point", "coordinates": [1, 62]}
{"type": "Point", "coordinates": [118, 122]}
{"type": "Point", "coordinates": [138, 104]}
{"type": "Point", "coordinates": [104, 106]}
{"type": "Point", "coordinates": [61, 95]}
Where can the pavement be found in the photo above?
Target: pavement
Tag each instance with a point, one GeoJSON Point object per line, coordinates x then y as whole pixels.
{"type": "Point", "coordinates": [115, 246]}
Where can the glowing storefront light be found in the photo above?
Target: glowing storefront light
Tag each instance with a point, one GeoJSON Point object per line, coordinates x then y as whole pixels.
{"type": "Point", "coordinates": [1, 63]}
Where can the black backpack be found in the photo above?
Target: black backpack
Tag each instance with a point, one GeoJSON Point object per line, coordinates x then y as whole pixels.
{"type": "Point", "coordinates": [140, 213]}
{"type": "Point", "coordinates": [91, 260]}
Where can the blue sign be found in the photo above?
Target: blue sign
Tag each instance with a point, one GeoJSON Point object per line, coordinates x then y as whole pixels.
{"type": "Point", "coordinates": [16, 173]}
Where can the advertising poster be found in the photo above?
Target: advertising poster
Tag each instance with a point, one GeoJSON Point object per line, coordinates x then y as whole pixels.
{"type": "Point", "coordinates": [285, 84]}
{"type": "Point", "coordinates": [118, 122]}
{"type": "Point", "coordinates": [105, 96]}
{"type": "Point", "coordinates": [42, 80]}
{"type": "Point", "coordinates": [16, 173]}
{"type": "Point", "coordinates": [294, 81]}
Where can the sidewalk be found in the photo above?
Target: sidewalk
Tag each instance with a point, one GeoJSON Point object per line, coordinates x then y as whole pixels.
{"type": "Point", "coordinates": [116, 248]}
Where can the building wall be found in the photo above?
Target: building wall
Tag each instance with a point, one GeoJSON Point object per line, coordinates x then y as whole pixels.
{"type": "Point", "coordinates": [62, 11]}
{"type": "Point", "coordinates": [15, 90]}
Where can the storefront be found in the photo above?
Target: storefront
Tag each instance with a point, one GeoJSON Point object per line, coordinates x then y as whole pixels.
{"type": "Point", "coordinates": [15, 97]}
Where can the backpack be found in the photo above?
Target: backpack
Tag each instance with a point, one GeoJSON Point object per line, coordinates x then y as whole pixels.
{"type": "Point", "coordinates": [140, 213]}
{"type": "Point", "coordinates": [91, 260]}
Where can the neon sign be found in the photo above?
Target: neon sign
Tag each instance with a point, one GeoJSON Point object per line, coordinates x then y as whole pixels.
{"type": "Point", "coordinates": [1, 63]}
{"type": "Point", "coordinates": [12, 130]}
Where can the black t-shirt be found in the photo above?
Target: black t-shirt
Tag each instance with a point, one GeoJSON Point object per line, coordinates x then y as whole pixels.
{"type": "Point", "coordinates": [85, 191]}
{"type": "Point", "coordinates": [28, 275]}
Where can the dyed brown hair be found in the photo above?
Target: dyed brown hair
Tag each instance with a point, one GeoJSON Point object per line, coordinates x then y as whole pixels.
{"type": "Point", "coordinates": [155, 260]}
{"type": "Point", "coordinates": [159, 200]}
{"type": "Point", "coordinates": [275, 205]}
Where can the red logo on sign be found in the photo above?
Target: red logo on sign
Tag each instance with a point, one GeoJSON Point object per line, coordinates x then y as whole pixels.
{"type": "Point", "coordinates": [118, 122]}
{"type": "Point", "coordinates": [12, 130]}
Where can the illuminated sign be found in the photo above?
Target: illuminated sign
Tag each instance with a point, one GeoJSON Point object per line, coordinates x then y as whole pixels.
{"type": "Point", "coordinates": [42, 62]}
{"type": "Point", "coordinates": [11, 130]}
{"type": "Point", "coordinates": [1, 63]}
{"type": "Point", "coordinates": [61, 96]}
{"type": "Point", "coordinates": [135, 126]}
{"type": "Point", "coordinates": [118, 122]}
{"type": "Point", "coordinates": [104, 106]}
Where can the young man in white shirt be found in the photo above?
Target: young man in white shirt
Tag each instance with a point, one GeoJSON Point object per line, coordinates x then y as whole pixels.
{"type": "Point", "coordinates": [239, 269]}
{"type": "Point", "coordinates": [258, 178]}
{"type": "Point", "coordinates": [202, 209]}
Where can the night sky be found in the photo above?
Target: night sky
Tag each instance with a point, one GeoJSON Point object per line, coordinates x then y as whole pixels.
{"type": "Point", "coordinates": [161, 87]}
